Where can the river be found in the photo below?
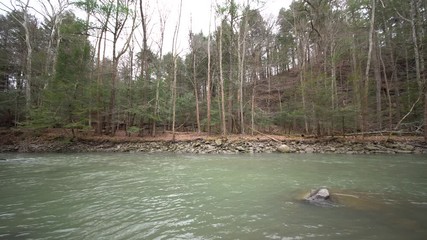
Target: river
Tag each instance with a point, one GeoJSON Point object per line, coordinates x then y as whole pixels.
{"type": "Point", "coordinates": [178, 196]}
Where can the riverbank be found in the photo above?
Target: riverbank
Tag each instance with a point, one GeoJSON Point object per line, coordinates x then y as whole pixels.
{"type": "Point", "coordinates": [61, 141]}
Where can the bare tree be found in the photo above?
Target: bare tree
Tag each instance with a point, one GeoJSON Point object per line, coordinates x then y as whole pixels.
{"type": "Point", "coordinates": [231, 49]}
{"type": "Point", "coordinates": [121, 16]}
{"type": "Point", "coordinates": [162, 21]}
{"type": "Point", "coordinates": [368, 65]}
{"type": "Point", "coordinates": [377, 75]}
{"type": "Point", "coordinates": [241, 55]}
{"type": "Point", "coordinates": [221, 80]}
{"type": "Point", "coordinates": [103, 20]}
{"type": "Point", "coordinates": [208, 83]}
{"type": "Point", "coordinates": [195, 82]}
{"type": "Point", "coordinates": [419, 60]}
{"type": "Point", "coordinates": [175, 68]}
{"type": "Point", "coordinates": [144, 72]}
{"type": "Point", "coordinates": [301, 48]}
{"type": "Point", "coordinates": [419, 67]}
{"type": "Point", "coordinates": [24, 21]}
{"type": "Point", "coordinates": [54, 13]}
{"type": "Point", "coordinates": [144, 56]}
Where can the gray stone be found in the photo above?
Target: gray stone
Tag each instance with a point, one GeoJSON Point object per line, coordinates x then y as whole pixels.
{"type": "Point", "coordinates": [320, 197]}
{"type": "Point", "coordinates": [371, 147]}
{"type": "Point", "coordinates": [408, 147]}
{"type": "Point", "coordinates": [240, 148]}
{"type": "Point", "coordinates": [284, 148]}
{"type": "Point", "coordinates": [309, 150]}
{"type": "Point", "coordinates": [318, 194]}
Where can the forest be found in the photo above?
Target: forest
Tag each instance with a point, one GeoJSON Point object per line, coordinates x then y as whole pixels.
{"type": "Point", "coordinates": [322, 67]}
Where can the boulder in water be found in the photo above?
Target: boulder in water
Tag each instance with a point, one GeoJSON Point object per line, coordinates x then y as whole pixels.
{"type": "Point", "coordinates": [320, 197]}
{"type": "Point", "coordinates": [325, 197]}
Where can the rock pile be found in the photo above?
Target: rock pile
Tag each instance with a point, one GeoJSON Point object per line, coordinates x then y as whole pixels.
{"type": "Point", "coordinates": [221, 146]}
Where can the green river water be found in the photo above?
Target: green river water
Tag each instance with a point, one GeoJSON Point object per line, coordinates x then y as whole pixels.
{"type": "Point", "coordinates": [176, 196]}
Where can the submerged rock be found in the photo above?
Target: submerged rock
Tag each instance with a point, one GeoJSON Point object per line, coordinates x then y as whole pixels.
{"type": "Point", "coordinates": [324, 197]}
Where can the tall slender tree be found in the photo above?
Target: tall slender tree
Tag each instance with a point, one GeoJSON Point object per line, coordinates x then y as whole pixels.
{"type": "Point", "coordinates": [208, 83]}
{"type": "Point", "coordinates": [175, 68]}
{"type": "Point", "coordinates": [195, 82]}
{"type": "Point", "coordinates": [121, 15]}
{"type": "Point", "coordinates": [21, 6]}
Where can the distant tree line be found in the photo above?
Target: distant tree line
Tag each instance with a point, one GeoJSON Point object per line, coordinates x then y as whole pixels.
{"type": "Point", "coordinates": [322, 67]}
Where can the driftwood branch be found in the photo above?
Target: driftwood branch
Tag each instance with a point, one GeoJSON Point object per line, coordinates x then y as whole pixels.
{"type": "Point", "coordinates": [380, 133]}
{"type": "Point", "coordinates": [270, 137]}
{"type": "Point", "coordinates": [408, 113]}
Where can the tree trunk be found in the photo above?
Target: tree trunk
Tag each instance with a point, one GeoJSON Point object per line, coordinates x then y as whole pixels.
{"type": "Point", "coordinates": [156, 105]}
{"type": "Point", "coordinates": [119, 24]}
{"type": "Point", "coordinates": [99, 126]}
{"type": "Point", "coordinates": [253, 111]}
{"type": "Point", "coordinates": [230, 73]}
{"type": "Point", "coordinates": [195, 83]}
{"type": "Point", "coordinates": [334, 91]}
{"type": "Point", "coordinates": [302, 63]}
{"type": "Point", "coordinates": [394, 79]}
{"type": "Point", "coordinates": [55, 18]}
{"type": "Point", "coordinates": [28, 65]}
{"type": "Point", "coordinates": [268, 72]}
{"type": "Point", "coordinates": [415, 42]}
{"type": "Point", "coordinates": [112, 105]}
{"type": "Point", "coordinates": [175, 68]}
{"type": "Point", "coordinates": [208, 83]}
{"type": "Point", "coordinates": [242, 56]}
{"type": "Point", "coordinates": [368, 65]}
{"type": "Point", "coordinates": [356, 83]}
{"type": "Point", "coordinates": [378, 81]}
{"type": "Point", "coordinates": [196, 93]}
{"type": "Point", "coordinates": [144, 62]}
{"type": "Point", "coordinates": [144, 73]}
{"type": "Point", "coordinates": [174, 96]}
{"type": "Point", "coordinates": [421, 82]}
{"type": "Point", "coordinates": [425, 114]}
{"type": "Point", "coordinates": [159, 73]}
{"type": "Point", "coordinates": [387, 85]}
{"type": "Point", "coordinates": [221, 79]}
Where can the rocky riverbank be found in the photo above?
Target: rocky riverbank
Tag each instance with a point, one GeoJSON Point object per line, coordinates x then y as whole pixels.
{"type": "Point", "coordinates": [223, 146]}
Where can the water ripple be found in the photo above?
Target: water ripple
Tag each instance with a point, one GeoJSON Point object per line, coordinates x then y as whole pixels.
{"type": "Point", "coordinates": [131, 196]}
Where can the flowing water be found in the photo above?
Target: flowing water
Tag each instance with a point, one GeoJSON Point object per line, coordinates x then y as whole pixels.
{"type": "Point", "coordinates": [173, 196]}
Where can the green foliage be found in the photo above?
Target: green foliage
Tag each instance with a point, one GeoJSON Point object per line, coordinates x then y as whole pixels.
{"type": "Point", "coordinates": [86, 5]}
{"type": "Point", "coordinates": [262, 119]}
{"type": "Point", "coordinates": [134, 129]}
{"type": "Point", "coordinates": [315, 52]}
{"type": "Point", "coordinates": [65, 101]}
{"type": "Point", "coordinates": [289, 116]}
{"type": "Point", "coordinates": [183, 104]}
{"type": "Point", "coordinates": [41, 118]}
